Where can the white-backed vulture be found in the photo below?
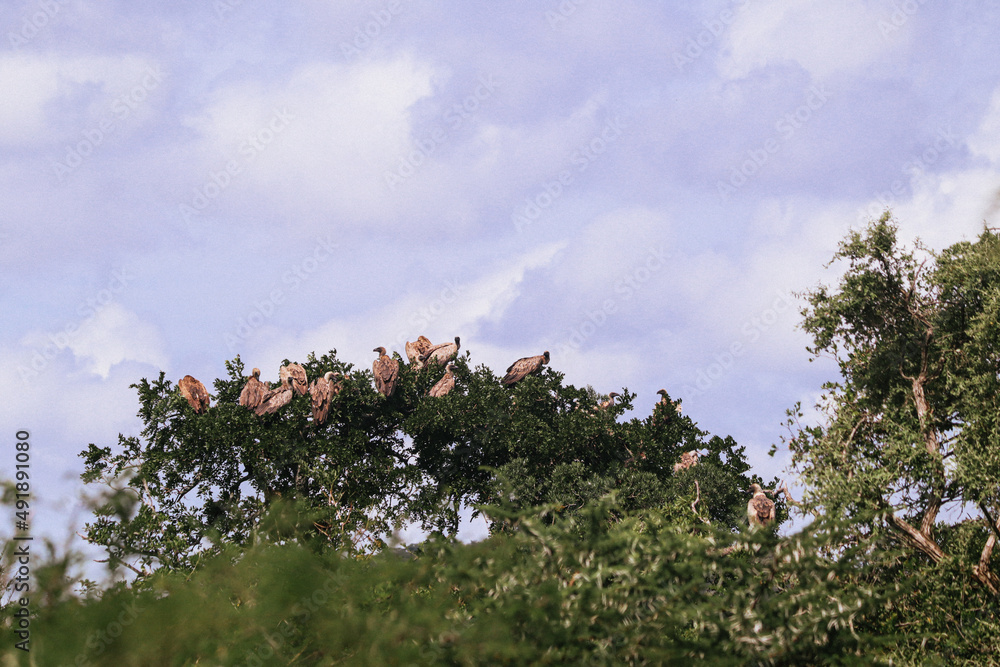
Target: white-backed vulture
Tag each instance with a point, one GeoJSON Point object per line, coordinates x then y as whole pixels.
{"type": "Point", "coordinates": [253, 391]}
{"type": "Point", "coordinates": [417, 349]}
{"type": "Point", "coordinates": [194, 393]}
{"type": "Point", "coordinates": [386, 372]}
{"type": "Point", "coordinates": [688, 460]}
{"type": "Point", "coordinates": [604, 405]}
{"type": "Point", "coordinates": [445, 384]}
{"type": "Point", "coordinates": [276, 398]}
{"type": "Point", "coordinates": [297, 374]}
{"type": "Point", "coordinates": [441, 353]}
{"type": "Point", "coordinates": [760, 509]}
{"type": "Point", "coordinates": [320, 395]}
{"type": "Point", "coordinates": [524, 367]}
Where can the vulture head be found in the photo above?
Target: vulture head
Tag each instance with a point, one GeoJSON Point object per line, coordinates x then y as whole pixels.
{"type": "Point", "coordinates": [329, 374]}
{"type": "Point", "coordinates": [380, 350]}
{"type": "Point", "coordinates": [256, 374]}
{"type": "Point", "coordinates": [546, 355]}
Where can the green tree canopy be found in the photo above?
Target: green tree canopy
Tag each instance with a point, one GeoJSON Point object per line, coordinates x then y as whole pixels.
{"type": "Point", "coordinates": [192, 481]}
{"type": "Point", "coordinates": [909, 450]}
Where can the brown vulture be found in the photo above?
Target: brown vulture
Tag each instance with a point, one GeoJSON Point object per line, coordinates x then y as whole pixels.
{"type": "Point", "coordinates": [253, 391]}
{"type": "Point", "coordinates": [441, 353]}
{"type": "Point", "coordinates": [276, 398]}
{"type": "Point", "coordinates": [445, 384]}
{"type": "Point", "coordinates": [417, 349]}
{"type": "Point", "coordinates": [760, 509]}
{"type": "Point", "coordinates": [688, 460]}
{"type": "Point", "coordinates": [297, 374]}
{"type": "Point", "coordinates": [524, 367]}
{"type": "Point", "coordinates": [604, 405]}
{"type": "Point", "coordinates": [321, 393]}
{"type": "Point", "coordinates": [386, 372]}
{"type": "Point", "coordinates": [194, 393]}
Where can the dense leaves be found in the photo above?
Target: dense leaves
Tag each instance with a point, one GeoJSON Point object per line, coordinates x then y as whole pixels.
{"type": "Point", "coordinates": [582, 590]}
{"type": "Point", "coordinates": [194, 482]}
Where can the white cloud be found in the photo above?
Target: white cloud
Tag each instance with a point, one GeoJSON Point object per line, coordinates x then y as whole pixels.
{"type": "Point", "coordinates": [821, 37]}
{"type": "Point", "coordinates": [32, 84]}
{"type": "Point", "coordinates": [322, 141]}
{"type": "Point", "coordinates": [115, 335]}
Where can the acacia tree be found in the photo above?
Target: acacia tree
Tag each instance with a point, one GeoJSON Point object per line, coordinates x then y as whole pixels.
{"type": "Point", "coordinates": [911, 438]}
{"type": "Point", "coordinates": [193, 482]}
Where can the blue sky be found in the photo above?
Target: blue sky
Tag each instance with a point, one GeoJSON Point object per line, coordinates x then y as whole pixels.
{"type": "Point", "coordinates": [638, 187]}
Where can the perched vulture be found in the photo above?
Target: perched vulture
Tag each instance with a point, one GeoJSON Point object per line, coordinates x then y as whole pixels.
{"type": "Point", "coordinates": [760, 509]}
{"type": "Point", "coordinates": [441, 353]}
{"type": "Point", "coordinates": [604, 405]}
{"type": "Point", "coordinates": [445, 384]}
{"type": "Point", "coordinates": [417, 349]}
{"type": "Point", "coordinates": [297, 375]}
{"type": "Point", "coordinates": [276, 398]}
{"type": "Point", "coordinates": [253, 391]}
{"type": "Point", "coordinates": [194, 393]}
{"type": "Point", "coordinates": [524, 367]}
{"type": "Point", "coordinates": [688, 460]}
{"type": "Point", "coordinates": [320, 395]}
{"type": "Point", "coordinates": [386, 372]}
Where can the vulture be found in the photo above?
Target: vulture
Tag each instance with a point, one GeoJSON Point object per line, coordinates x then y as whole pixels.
{"type": "Point", "coordinates": [416, 350]}
{"type": "Point", "coordinates": [321, 393]}
{"type": "Point", "coordinates": [253, 391]}
{"type": "Point", "coordinates": [194, 393]}
{"type": "Point", "coordinates": [688, 460]}
{"type": "Point", "coordinates": [276, 398]}
{"type": "Point", "coordinates": [441, 353]}
{"type": "Point", "coordinates": [445, 384]}
{"type": "Point", "coordinates": [760, 509]}
{"type": "Point", "coordinates": [386, 372]}
{"type": "Point", "coordinates": [524, 367]}
{"type": "Point", "coordinates": [604, 405]}
{"type": "Point", "coordinates": [297, 374]}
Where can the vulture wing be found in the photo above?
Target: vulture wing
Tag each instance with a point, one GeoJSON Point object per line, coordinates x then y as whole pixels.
{"type": "Point", "coordinates": [253, 393]}
{"type": "Point", "coordinates": [320, 393]}
{"type": "Point", "coordinates": [523, 367]}
{"type": "Point", "coordinates": [761, 510]}
{"type": "Point", "coordinates": [194, 393]}
{"type": "Point", "coordinates": [275, 399]}
{"type": "Point", "coordinates": [386, 371]}
{"type": "Point", "coordinates": [444, 385]}
{"type": "Point", "coordinates": [300, 383]}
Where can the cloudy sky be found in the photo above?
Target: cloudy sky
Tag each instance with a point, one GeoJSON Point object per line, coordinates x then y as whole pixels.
{"type": "Point", "coordinates": [637, 187]}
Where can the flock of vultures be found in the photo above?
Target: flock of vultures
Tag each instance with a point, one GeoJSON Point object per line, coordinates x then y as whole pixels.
{"type": "Point", "coordinates": [259, 397]}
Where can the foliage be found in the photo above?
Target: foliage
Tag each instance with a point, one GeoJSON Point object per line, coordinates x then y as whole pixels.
{"type": "Point", "coordinates": [910, 443]}
{"type": "Point", "coordinates": [634, 591]}
{"type": "Point", "coordinates": [193, 483]}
